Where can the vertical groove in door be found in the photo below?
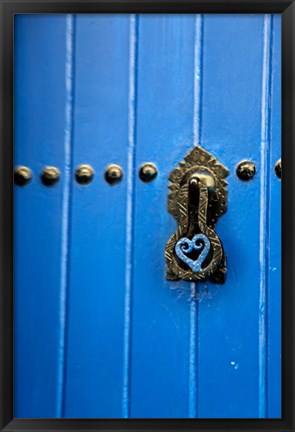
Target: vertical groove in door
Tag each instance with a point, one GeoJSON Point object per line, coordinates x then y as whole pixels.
{"type": "Point", "coordinates": [197, 123]}
{"type": "Point", "coordinates": [130, 213]}
{"type": "Point", "coordinates": [66, 213]}
{"type": "Point", "coordinates": [264, 210]}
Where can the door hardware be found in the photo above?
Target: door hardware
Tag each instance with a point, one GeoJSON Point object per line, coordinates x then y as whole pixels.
{"type": "Point", "coordinates": [278, 169]}
{"type": "Point", "coordinates": [197, 199]}
{"type": "Point", "coordinates": [246, 170]}
{"type": "Point", "coordinates": [84, 174]}
{"type": "Point", "coordinates": [50, 175]}
{"type": "Point", "coordinates": [113, 174]}
{"type": "Point", "coordinates": [22, 175]}
{"type": "Point", "coordinates": [148, 172]}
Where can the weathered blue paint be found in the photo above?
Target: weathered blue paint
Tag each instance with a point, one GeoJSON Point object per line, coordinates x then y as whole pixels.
{"type": "Point", "coordinates": [164, 133]}
{"type": "Point", "coordinates": [41, 100]}
{"type": "Point", "coordinates": [99, 332]}
{"type": "Point", "coordinates": [234, 317]}
{"type": "Point", "coordinates": [97, 252]}
{"type": "Point", "coordinates": [273, 300]}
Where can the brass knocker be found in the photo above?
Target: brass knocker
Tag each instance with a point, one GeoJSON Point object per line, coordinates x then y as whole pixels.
{"type": "Point", "coordinates": [198, 198]}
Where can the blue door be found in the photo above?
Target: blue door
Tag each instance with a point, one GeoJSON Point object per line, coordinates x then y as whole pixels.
{"type": "Point", "coordinates": [99, 331]}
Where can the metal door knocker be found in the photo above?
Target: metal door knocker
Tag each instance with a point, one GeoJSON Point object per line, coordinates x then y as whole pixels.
{"type": "Point", "coordinates": [197, 199]}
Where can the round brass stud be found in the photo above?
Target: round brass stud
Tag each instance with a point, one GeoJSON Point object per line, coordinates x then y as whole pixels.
{"type": "Point", "coordinates": [148, 172]}
{"type": "Point", "coordinates": [246, 170]}
{"type": "Point", "coordinates": [278, 169]}
{"type": "Point", "coordinates": [113, 174]}
{"type": "Point", "coordinates": [50, 175]}
{"type": "Point", "coordinates": [84, 174]}
{"type": "Point", "coordinates": [22, 175]}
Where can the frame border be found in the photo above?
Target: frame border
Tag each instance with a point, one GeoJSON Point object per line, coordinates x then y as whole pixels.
{"type": "Point", "coordinates": [7, 10]}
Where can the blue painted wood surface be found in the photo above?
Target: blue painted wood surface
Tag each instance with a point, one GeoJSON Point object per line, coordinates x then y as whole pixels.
{"type": "Point", "coordinates": [39, 281]}
{"type": "Point", "coordinates": [99, 332]}
{"type": "Point", "coordinates": [98, 285]}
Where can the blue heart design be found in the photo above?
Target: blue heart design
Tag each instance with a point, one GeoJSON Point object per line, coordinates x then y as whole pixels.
{"type": "Point", "coordinates": [185, 246]}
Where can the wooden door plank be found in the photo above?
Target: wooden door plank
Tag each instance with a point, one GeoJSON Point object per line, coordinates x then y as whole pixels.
{"type": "Point", "coordinates": [232, 324]}
{"type": "Point", "coordinates": [160, 370]}
{"type": "Point", "coordinates": [274, 314]}
{"type": "Point", "coordinates": [94, 383]}
{"type": "Point", "coordinates": [42, 99]}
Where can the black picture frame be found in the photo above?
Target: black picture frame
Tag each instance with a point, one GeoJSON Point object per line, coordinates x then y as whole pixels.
{"type": "Point", "coordinates": [7, 10]}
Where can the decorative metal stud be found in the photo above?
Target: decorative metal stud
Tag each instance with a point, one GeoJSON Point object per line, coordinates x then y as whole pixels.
{"type": "Point", "coordinates": [278, 169]}
{"type": "Point", "coordinates": [113, 174]}
{"type": "Point", "coordinates": [22, 175]}
{"type": "Point", "coordinates": [84, 174]}
{"type": "Point", "coordinates": [148, 172]}
{"type": "Point", "coordinates": [246, 170]}
{"type": "Point", "coordinates": [50, 175]}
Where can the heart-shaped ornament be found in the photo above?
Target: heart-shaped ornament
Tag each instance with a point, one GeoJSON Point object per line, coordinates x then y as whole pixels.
{"type": "Point", "coordinates": [184, 246]}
